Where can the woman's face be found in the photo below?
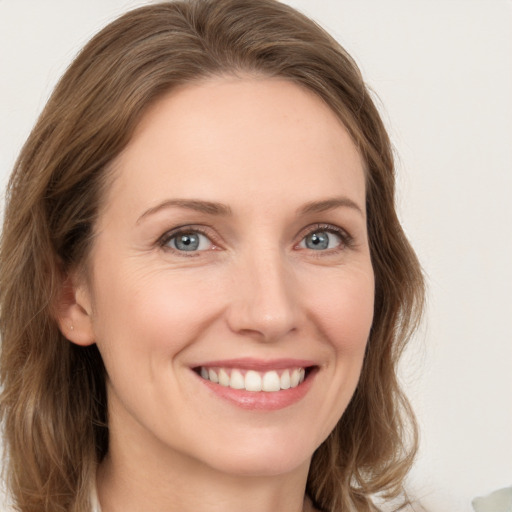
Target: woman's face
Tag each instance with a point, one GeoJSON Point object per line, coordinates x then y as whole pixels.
{"type": "Point", "coordinates": [232, 246]}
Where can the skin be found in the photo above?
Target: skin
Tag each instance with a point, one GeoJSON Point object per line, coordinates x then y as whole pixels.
{"type": "Point", "coordinates": [265, 149]}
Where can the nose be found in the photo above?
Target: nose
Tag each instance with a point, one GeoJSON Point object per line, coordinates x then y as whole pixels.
{"type": "Point", "coordinates": [263, 299]}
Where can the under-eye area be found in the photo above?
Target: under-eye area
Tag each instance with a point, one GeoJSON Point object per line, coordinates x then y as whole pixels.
{"type": "Point", "coordinates": [256, 381]}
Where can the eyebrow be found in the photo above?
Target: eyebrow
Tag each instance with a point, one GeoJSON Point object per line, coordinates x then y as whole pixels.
{"type": "Point", "coordinates": [214, 208]}
{"type": "Point", "coordinates": [329, 204]}
{"type": "Point", "coordinates": [208, 207]}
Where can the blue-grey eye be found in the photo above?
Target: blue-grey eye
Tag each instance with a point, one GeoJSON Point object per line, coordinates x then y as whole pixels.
{"type": "Point", "coordinates": [320, 241]}
{"type": "Point", "coordinates": [192, 241]}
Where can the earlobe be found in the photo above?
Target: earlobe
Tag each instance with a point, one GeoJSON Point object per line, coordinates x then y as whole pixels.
{"type": "Point", "coordinates": [73, 313]}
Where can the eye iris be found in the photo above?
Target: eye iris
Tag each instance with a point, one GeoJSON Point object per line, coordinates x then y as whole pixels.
{"type": "Point", "coordinates": [187, 242]}
{"type": "Point", "coordinates": [317, 241]}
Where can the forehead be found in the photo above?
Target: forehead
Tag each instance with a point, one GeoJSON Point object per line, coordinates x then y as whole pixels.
{"type": "Point", "coordinates": [232, 138]}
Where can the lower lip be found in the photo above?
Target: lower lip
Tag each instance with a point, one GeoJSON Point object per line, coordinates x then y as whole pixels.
{"type": "Point", "coordinates": [262, 400]}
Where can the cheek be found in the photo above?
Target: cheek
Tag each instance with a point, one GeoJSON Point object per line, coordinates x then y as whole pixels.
{"type": "Point", "coordinates": [149, 311]}
{"type": "Point", "coordinates": [344, 311]}
{"type": "Point", "coordinates": [175, 306]}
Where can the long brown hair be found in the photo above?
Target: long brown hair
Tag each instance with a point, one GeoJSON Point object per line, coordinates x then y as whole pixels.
{"type": "Point", "coordinates": [54, 402]}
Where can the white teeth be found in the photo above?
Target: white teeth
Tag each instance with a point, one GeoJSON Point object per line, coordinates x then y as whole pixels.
{"type": "Point", "coordinates": [237, 380]}
{"type": "Point", "coordinates": [254, 381]}
{"type": "Point", "coordinates": [271, 382]}
{"type": "Point", "coordinates": [223, 378]}
{"type": "Point", "coordinates": [285, 380]}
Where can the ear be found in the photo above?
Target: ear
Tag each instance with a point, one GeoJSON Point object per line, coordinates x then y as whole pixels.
{"type": "Point", "coordinates": [73, 312]}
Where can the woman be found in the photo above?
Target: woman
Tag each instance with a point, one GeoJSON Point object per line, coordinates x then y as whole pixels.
{"type": "Point", "coordinates": [204, 285]}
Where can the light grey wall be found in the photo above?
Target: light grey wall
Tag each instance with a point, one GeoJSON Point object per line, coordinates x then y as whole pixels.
{"type": "Point", "coordinates": [443, 73]}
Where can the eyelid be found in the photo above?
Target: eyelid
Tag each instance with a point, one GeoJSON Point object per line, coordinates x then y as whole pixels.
{"type": "Point", "coordinates": [346, 239]}
{"type": "Point", "coordinates": [164, 239]}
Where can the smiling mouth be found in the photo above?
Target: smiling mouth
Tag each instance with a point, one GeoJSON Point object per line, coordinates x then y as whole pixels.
{"type": "Point", "coordinates": [256, 381]}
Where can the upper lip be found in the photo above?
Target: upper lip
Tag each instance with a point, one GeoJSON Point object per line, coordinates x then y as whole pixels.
{"type": "Point", "coordinates": [247, 363]}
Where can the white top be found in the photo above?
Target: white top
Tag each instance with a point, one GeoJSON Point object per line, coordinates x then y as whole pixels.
{"type": "Point", "coordinates": [308, 506]}
{"type": "Point", "coordinates": [94, 501]}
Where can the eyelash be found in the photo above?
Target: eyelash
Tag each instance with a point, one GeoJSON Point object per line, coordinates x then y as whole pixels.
{"type": "Point", "coordinates": [347, 240]}
{"type": "Point", "coordinates": [184, 230]}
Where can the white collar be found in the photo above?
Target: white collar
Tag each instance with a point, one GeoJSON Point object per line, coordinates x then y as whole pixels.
{"type": "Point", "coordinates": [94, 500]}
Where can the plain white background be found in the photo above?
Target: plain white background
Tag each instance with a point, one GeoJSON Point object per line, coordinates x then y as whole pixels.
{"type": "Point", "coordinates": [442, 71]}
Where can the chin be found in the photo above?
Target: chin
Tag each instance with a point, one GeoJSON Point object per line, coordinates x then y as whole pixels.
{"type": "Point", "coordinates": [263, 459]}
